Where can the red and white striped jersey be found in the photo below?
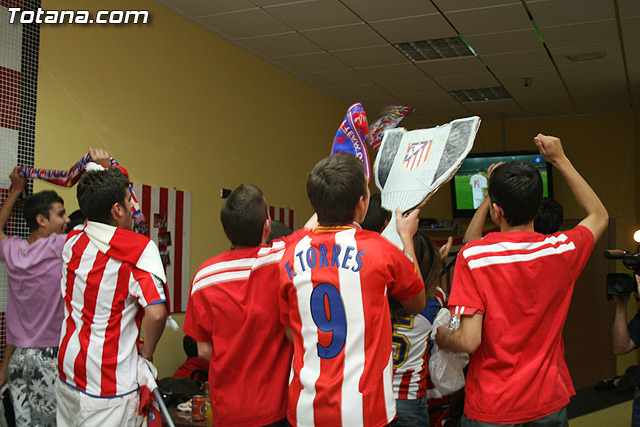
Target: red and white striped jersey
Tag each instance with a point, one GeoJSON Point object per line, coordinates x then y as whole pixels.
{"type": "Point", "coordinates": [411, 350]}
{"type": "Point", "coordinates": [522, 282]}
{"type": "Point", "coordinates": [233, 305]}
{"type": "Point", "coordinates": [103, 301]}
{"type": "Point", "coordinates": [333, 294]}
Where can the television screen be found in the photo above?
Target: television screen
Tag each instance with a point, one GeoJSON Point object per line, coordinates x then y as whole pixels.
{"type": "Point", "coordinates": [469, 185]}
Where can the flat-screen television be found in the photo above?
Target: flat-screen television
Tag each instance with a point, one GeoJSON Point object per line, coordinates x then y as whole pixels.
{"type": "Point", "coordinates": [469, 184]}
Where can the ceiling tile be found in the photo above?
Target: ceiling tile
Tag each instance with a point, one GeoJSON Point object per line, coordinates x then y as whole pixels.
{"type": "Point", "coordinates": [234, 24]}
{"type": "Point", "coordinates": [358, 93]}
{"type": "Point", "coordinates": [309, 63]}
{"type": "Point", "coordinates": [589, 85]}
{"type": "Point", "coordinates": [634, 73]}
{"type": "Point", "coordinates": [495, 106]}
{"type": "Point", "coordinates": [195, 8]}
{"type": "Point", "coordinates": [451, 6]}
{"type": "Point", "coordinates": [441, 119]}
{"type": "Point", "coordinates": [630, 29]}
{"type": "Point", "coordinates": [604, 108]}
{"type": "Point", "coordinates": [313, 14]}
{"type": "Point", "coordinates": [507, 42]}
{"type": "Point", "coordinates": [542, 102]}
{"type": "Point", "coordinates": [612, 51]}
{"type": "Point", "coordinates": [552, 12]}
{"type": "Point", "coordinates": [452, 67]}
{"type": "Point", "coordinates": [379, 10]}
{"type": "Point", "coordinates": [580, 34]}
{"type": "Point", "coordinates": [496, 19]}
{"type": "Point", "coordinates": [629, 8]}
{"type": "Point", "coordinates": [344, 37]}
{"type": "Point", "coordinates": [475, 81]}
{"type": "Point", "coordinates": [551, 111]}
{"type": "Point", "coordinates": [370, 56]}
{"type": "Point", "coordinates": [518, 60]}
{"type": "Point", "coordinates": [602, 97]}
{"type": "Point", "coordinates": [336, 78]}
{"type": "Point", "coordinates": [543, 81]}
{"type": "Point", "coordinates": [391, 73]}
{"type": "Point", "coordinates": [409, 87]}
{"type": "Point", "coordinates": [425, 27]}
{"type": "Point", "coordinates": [280, 45]}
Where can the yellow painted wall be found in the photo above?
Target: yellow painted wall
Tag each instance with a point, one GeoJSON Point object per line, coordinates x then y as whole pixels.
{"type": "Point", "coordinates": [180, 107]}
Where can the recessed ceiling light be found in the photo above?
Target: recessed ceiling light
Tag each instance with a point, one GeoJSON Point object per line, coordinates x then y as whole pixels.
{"type": "Point", "coordinates": [482, 94]}
{"type": "Point", "coordinates": [587, 56]}
{"type": "Point", "coordinates": [424, 50]}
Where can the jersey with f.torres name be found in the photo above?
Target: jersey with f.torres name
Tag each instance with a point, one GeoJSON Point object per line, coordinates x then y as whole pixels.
{"type": "Point", "coordinates": [522, 283]}
{"type": "Point", "coordinates": [333, 294]}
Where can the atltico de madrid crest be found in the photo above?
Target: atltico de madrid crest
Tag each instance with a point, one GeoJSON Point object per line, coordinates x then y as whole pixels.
{"type": "Point", "coordinates": [417, 153]}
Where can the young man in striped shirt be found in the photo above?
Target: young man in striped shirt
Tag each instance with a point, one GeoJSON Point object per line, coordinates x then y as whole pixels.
{"type": "Point", "coordinates": [232, 313]}
{"type": "Point", "coordinates": [513, 291]}
{"type": "Point", "coordinates": [334, 283]}
{"type": "Point", "coordinates": [111, 278]}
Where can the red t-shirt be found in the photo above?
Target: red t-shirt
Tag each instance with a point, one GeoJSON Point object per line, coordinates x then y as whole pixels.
{"type": "Point", "coordinates": [522, 282]}
{"type": "Point", "coordinates": [333, 294]}
{"type": "Point", "coordinates": [234, 305]}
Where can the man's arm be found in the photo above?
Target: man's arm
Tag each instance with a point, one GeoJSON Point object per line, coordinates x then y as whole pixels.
{"type": "Point", "coordinates": [18, 183]}
{"type": "Point", "coordinates": [155, 317]}
{"type": "Point", "coordinates": [8, 351]}
{"type": "Point", "coordinates": [476, 225]}
{"type": "Point", "coordinates": [407, 227]}
{"type": "Point", "coordinates": [205, 349]}
{"type": "Point", "coordinates": [465, 339]}
{"type": "Point", "coordinates": [597, 218]}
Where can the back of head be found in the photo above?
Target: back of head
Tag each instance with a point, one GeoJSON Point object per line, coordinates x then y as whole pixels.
{"type": "Point", "coordinates": [278, 230]}
{"type": "Point", "coordinates": [335, 186]}
{"type": "Point", "coordinates": [39, 204]}
{"type": "Point", "coordinates": [428, 256]}
{"type": "Point", "coordinates": [99, 190]}
{"type": "Point", "coordinates": [377, 216]}
{"type": "Point", "coordinates": [550, 217]}
{"type": "Point", "coordinates": [243, 215]}
{"type": "Point", "coordinates": [517, 188]}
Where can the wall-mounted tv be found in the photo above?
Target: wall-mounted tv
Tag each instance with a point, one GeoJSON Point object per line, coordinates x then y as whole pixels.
{"type": "Point", "coordinates": [469, 185]}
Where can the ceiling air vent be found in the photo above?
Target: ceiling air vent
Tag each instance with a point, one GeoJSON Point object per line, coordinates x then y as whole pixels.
{"type": "Point", "coordinates": [478, 95]}
{"type": "Point", "coordinates": [424, 50]}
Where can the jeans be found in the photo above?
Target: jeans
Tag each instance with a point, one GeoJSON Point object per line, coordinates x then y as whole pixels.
{"type": "Point", "coordinates": [557, 419]}
{"type": "Point", "coordinates": [411, 413]}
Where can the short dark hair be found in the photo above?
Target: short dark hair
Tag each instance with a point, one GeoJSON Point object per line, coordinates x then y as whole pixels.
{"type": "Point", "coordinates": [243, 215]}
{"type": "Point", "coordinates": [550, 217]}
{"type": "Point", "coordinates": [517, 188]}
{"type": "Point", "coordinates": [75, 218]}
{"type": "Point", "coordinates": [376, 214]}
{"type": "Point", "coordinates": [39, 204]}
{"type": "Point", "coordinates": [335, 186]}
{"type": "Point", "coordinates": [278, 230]}
{"type": "Point", "coordinates": [99, 190]}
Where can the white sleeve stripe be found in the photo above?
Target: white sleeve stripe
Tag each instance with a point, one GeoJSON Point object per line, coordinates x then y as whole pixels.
{"type": "Point", "coordinates": [228, 276]}
{"type": "Point", "coordinates": [243, 263]}
{"type": "Point", "coordinates": [504, 259]}
{"type": "Point", "coordinates": [512, 246]}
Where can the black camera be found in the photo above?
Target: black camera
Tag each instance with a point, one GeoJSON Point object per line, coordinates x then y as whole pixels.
{"type": "Point", "coordinates": [619, 283]}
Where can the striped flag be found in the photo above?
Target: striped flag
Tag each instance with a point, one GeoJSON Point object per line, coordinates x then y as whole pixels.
{"type": "Point", "coordinates": [167, 214]}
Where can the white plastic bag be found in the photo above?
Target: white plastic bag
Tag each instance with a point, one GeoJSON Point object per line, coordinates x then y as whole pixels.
{"type": "Point", "coordinates": [445, 367]}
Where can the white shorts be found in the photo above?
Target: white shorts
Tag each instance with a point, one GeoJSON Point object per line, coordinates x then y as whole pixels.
{"type": "Point", "coordinates": [76, 408]}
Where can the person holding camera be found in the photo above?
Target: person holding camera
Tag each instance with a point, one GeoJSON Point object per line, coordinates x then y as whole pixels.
{"type": "Point", "coordinates": [626, 337]}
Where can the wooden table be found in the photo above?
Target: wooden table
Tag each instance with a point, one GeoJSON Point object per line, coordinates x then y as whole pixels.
{"type": "Point", "coordinates": [183, 419]}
